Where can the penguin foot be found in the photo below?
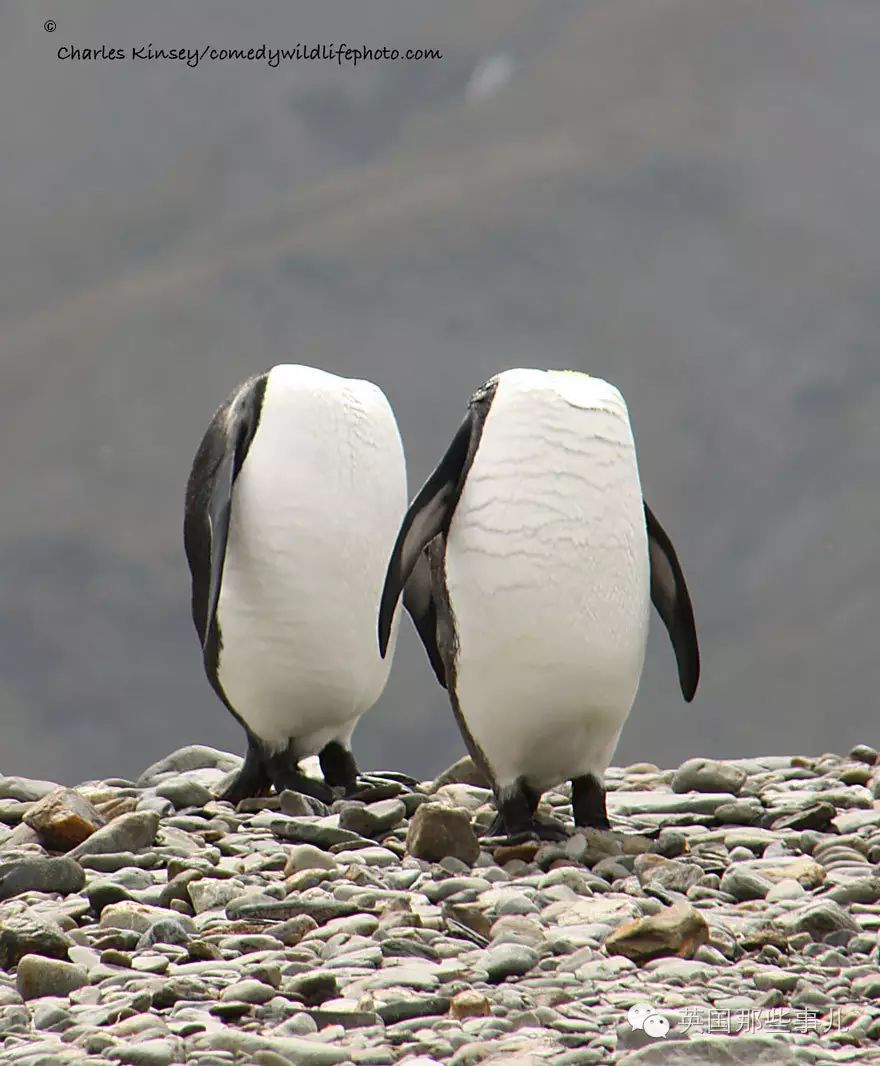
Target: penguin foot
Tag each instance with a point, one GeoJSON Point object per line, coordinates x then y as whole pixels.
{"type": "Point", "coordinates": [546, 830]}
{"type": "Point", "coordinates": [293, 779]}
{"type": "Point", "coordinates": [588, 803]}
{"type": "Point", "coordinates": [392, 776]}
{"type": "Point", "coordinates": [251, 780]}
{"type": "Point", "coordinates": [367, 789]}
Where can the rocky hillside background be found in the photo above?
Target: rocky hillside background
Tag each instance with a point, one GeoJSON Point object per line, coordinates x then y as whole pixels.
{"type": "Point", "coordinates": [678, 196]}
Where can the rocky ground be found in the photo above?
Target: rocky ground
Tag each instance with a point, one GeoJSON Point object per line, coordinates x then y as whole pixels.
{"type": "Point", "coordinates": [146, 923]}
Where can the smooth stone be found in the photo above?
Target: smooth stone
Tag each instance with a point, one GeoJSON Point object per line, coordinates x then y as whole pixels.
{"type": "Point", "coordinates": [128, 832]}
{"type": "Point", "coordinates": [209, 893]}
{"type": "Point", "coordinates": [63, 818]}
{"type": "Point", "coordinates": [708, 775]}
{"type": "Point", "coordinates": [743, 884]}
{"type": "Point", "coordinates": [859, 890]}
{"type": "Point", "coordinates": [191, 757]}
{"type": "Point", "coordinates": [688, 970]}
{"type": "Point", "coordinates": [864, 753]}
{"type": "Point", "coordinates": [462, 772]}
{"type": "Point", "coordinates": [436, 832]}
{"type": "Point", "coordinates": [137, 917]}
{"type": "Point", "coordinates": [317, 832]}
{"type": "Point", "coordinates": [61, 875]}
{"type": "Point", "coordinates": [39, 976]}
{"type": "Point", "coordinates": [112, 861]}
{"type": "Point", "coordinates": [509, 960]}
{"type": "Point", "coordinates": [402, 1010]}
{"type": "Point", "coordinates": [151, 1052]}
{"type": "Point", "coordinates": [308, 857]}
{"type": "Point", "coordinates": [818, 919]}
{"type": "Point", "coordinates": [168, 930]}
{"type": "Point", "coordinates": [669, 874]}
{"type": "Point", "coordinates": [867, 986]}
{"type": "Point", "coordinates": [51, 1014]}
{"type": "Point", "coordinates": [740, 812]}
{"type": "Point", "coordinates": [774, 977]}
{"type": "Point", "coordinates": [787, 888]}
{"type": "Point", "coordinates": [806, 871]}
{"type": "Point", "coordinates": [676, 930]}
{"type": "Point", "coordinates": [715, 1051]}
{"type": "Point", "coordinates": [184, 792]}
{"type": "Point", "coordinates": [373, 819]}
{"type": "Point", "coordinates": [25, 934]}
{"type": "Point", "coordinates": [753, 838]}
{"type": "Point", "coordinates": [622, 803]}
{"type": "Point", "coordinates": [470, 1004]}
{"type": "Point", "coordinates": [815, 816]}
{"type": "Point", "coordinates": [25, 789]}
{"type": "Point", "coordinates": [248, 991]}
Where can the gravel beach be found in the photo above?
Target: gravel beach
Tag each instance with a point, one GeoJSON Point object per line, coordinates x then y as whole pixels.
{"type": "Point", "coordinates": [731, 916]}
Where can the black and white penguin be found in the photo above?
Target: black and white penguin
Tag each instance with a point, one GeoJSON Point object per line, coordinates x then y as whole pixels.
{"type": "Point", "coordinates": [296, 493]}
{"type": "Point", "coordinates": [536, 559]}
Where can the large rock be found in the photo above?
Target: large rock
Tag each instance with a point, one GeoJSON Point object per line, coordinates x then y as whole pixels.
{"type": "Point", "coordinates": [128, 832]}
{"type": "Point", "coordinates": [192, 757]}
{"type": "Point", "coordinates": [292, 1049]}
{"type": "Point", "coordinates": [23, 934]}
{"type": "Point", "coordinates": [819, 919]}
{"type": "Point", "coordinates": [39, 976]}
{"type": "Point", "coordinates": [25, 789]}
{"type": "Point", "coordinates": [436, 833]}
{"type": "Point", "coordinates": [463, 772]}
{"type": "Point", "coordinates": [708, 775]}
{"type": "Point", "coordinates": [63, 819]}
{"type": "Point", "coordinates": [677, 930]}
{"type": "Point", "coordinates": [675, 876]}
{"type": "Point", "coordinates": [715, 1051]}
{"type": "Point", "coordinates": [40, 875]}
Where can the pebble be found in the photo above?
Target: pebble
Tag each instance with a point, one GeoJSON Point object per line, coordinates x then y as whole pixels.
{"type": "Point", "coordinates": [708, 775]}
{"type": "Point", "coordinates": [38, 976]}
{"type": "Point", "coordinates": [373, 819]}
{"type": "Point", "coordinates": [128, 832]}
{"type": "Point", "coordinates": [60, 875]}
{"type": "Point", "coordinates": [285, 932]}
{"type": "Point", "coordinates": [63, 818]}
{"type": "Point", "coordinates": [676, 930]}
{"type": "Point", "coordinates": [436, 832]}
{"type": "Point", "coordinates": [184, 792]}
{"type": "Point", "coordinates": [509, 960]}
{"type": "Point", "coordinates": [24, 789]}
{"type": "Point", "coordinates": [744, 884]}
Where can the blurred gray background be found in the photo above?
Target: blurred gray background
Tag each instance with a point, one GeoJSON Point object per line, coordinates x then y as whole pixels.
{"type": "Point", "coordinates": [679, 195]}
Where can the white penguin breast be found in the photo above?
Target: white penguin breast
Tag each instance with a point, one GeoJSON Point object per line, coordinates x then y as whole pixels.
{"type": "Point", "coordinates": [548, 580]}
{"type": "Point", "coordinates": [315, 508]}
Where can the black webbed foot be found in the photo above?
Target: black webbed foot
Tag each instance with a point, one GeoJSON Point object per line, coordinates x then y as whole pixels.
{"type": "Point", "coordinates": [588, 803]}
{"type": "Point", "coordinates": [252, 779]}
{"type": "Point", "coordinates": [517, 820]}
{"type": "Point", "coordinates": [546, 830]}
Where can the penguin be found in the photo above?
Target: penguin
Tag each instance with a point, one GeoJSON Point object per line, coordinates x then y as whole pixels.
{"type": "Point", "coordinates": [296, 492]}
{"type": "Point", "coordinates": [532, 559]}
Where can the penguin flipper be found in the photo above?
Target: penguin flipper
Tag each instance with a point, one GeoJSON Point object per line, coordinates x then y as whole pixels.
{"type": "Point", "coordinates": [669, 594]}
{"type": "Point", "coordinates": [418, 599]}
{"type": "Point", "coordinates": [429, 514]}
{"type": "Point", "coordinates": [209, 497]}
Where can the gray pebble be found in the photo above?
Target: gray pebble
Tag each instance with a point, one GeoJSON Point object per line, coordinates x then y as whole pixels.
{"type": "Point", "coordinates": [509, 960]}
{"type": "Point", "coordinates": [128, 832]}
{"type": "Point", "coordinates": [744, 884]}
{"type": "Point", "coordinates": [184, 792]}
{"type": "Point", "coordinates": [61, 875]}
{"type": "Point", "coordinates": [38, 976]}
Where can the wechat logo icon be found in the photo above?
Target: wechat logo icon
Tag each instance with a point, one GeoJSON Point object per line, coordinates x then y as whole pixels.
{"type": "Point", "coordinates": [643, 1016]}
